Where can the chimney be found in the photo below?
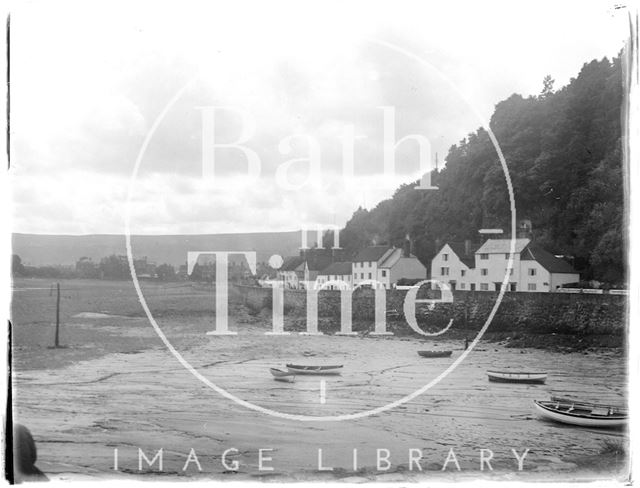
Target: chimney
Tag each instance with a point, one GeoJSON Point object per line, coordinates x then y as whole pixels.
{"type": "Point", "coordinates": [406, 247]}
{"type": "Point", "coordinates": [438, 244]}
{"type": "Point", "coordinates": [524, 229]}
{"type": "Point", "coordinates": [467, 246]}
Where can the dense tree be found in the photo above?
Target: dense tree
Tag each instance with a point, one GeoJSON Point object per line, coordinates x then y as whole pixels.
{"type": "Point", "coordinates": [115, 267]}
{"type": "Point", "coordinates": [166, 272]}
{"type": "Point", "coordinates": [564, 157]}
{"type": "Point", "coordinates": [17, 268]}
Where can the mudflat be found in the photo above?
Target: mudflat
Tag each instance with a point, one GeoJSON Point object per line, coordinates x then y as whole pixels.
{"type": "Point", "coordinates": [115, 388]}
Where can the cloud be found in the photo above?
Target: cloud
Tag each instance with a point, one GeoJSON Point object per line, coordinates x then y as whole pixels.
{"type": "Point", "coordinates": [86, 89]}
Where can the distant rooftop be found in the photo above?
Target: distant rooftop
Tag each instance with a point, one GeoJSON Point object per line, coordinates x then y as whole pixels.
{"type": "Point", "coordinates": [547, 260]}
{"type": "Point", "coordinates": [291, 263]}
{"type": "Point", "coordinates": [460, 247]}
{"type": "Point", "coordinates": [339, 268]}
{"type": "Point", "coordinates": [495, 246]}
{"type": "Point", "coordinates": [371, 253]}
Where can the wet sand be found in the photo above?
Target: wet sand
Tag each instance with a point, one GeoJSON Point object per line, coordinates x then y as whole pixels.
{"type": "Point", "coordinates": [146, 399]}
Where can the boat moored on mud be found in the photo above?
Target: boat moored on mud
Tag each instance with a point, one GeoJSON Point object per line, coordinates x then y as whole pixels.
{"type": "Point", "coordinates": [581, 414]}
{"type": "Point", "coordinates": [517, 376]}
{"type": "Point", "coordinates": [314, 370]}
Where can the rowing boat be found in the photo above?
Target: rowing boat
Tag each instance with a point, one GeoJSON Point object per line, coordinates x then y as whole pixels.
{"type": "Point", "coordinates": [434, 354]}
{"type": "Point", "coordinates": [571, 401]}
{"type": "Point", "coordinates": [580, 414]}
{"type": "Point", "coordinates": [317, 370]}
{"type": "Point", "coordinates": [517, 376]}
{"type": "Point", "coordinates": [280, 375]}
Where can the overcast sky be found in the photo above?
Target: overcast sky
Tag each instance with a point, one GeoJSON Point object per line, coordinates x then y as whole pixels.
{"type": "Point", "coordinates": [89, 81]}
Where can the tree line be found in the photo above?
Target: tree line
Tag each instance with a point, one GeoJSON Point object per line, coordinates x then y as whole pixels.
{"type": "Point", "coordinates": [564, 154]}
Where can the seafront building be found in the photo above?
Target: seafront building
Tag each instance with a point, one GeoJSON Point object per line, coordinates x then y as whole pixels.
{"type": "Point", "coordinates": [482, 268]}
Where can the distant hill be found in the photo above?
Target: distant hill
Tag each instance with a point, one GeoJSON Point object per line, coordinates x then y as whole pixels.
{"type": "Point", "coordinates": [41, 250]}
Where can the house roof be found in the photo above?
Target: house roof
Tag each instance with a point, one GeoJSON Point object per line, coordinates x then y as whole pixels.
{"type": "Point", "coordinates": [291, 263]}
{"type": "Point", "coordinates": [391, 259]}
{"type": "Point", "coordinates": [371, 253]}
{"type": "Point", "coordinates": [339, 268]}
{"type": "Point", "coordinates": [319, 262]}
{"type": "Point", "coordinates": [460, 247]}
{"type": "Point", "coordinates": [495, 246]}
{"type": "Point", "coordinates": [547, 260]}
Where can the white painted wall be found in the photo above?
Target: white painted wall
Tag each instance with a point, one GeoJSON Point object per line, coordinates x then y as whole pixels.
{"type": "Point", "coordinates": [446, 258]}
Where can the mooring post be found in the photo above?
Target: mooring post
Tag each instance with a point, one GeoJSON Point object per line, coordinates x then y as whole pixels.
{"type": "Point", "coordinates": [57, 344]}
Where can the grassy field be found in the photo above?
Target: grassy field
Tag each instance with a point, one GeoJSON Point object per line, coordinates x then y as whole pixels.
{"type": "Point", "coordinates": [121, 327]}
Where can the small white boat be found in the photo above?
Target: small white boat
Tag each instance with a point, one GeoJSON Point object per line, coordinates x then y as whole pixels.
{"type": "Point", "coordinates": [517, 376]}
{"type": "Point", "coordinates": [581, 414]}
{"type": "Point", "coordinates": [280, 375]}
{"type": "Point", "coordinates": [314, 370]}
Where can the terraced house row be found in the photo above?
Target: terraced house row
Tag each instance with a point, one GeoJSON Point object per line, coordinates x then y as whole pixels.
{"type": "Point", "coordinates": [464, 266]}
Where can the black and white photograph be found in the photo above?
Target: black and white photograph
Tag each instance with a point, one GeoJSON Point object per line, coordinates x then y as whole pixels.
{"type": "Point", "coordinates": [320, 241]}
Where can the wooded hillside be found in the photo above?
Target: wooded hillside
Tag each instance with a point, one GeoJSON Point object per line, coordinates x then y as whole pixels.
{"type": "Point", "coordinates": [564, 153]}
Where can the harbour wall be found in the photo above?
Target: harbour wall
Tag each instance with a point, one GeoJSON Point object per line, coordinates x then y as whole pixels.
{"type": "Point", "coordinates": [562, 313]}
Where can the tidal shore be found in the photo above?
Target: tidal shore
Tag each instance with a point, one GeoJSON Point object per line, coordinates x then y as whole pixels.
{"type": "Point", "coordinates": [117, 386]}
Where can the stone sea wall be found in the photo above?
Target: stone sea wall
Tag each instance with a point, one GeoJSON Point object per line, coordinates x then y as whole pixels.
{"type": "Point", "coordinates": [563, 313]}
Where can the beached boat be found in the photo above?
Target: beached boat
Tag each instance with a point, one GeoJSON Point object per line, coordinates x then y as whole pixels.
{"type": "Point", "coordinates": [280, 375]}
{"type": "Point", "coordinates": [572, 401]}
{"type": "Point", "coordinates": [580, 414]}
{"type": "Point", "coordinates": [317, 370]}
{"type": "Point", "coordinates": [434, 354]}
{"type": "Point", "coordinates": [517, 376]}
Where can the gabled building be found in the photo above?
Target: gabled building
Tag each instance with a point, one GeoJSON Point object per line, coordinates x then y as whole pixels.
{"type": "Point", "coordinates": [366, 263]}
{"type": "Point", "coordinates": [291, 273]}
{"type": "Point", "coordinates": [491, 261]}
{"type": "Point", "coordinates": [386, 265]}
{"type": "Point", "coordinates": [300, 272]}
{"type": "Point", "coordinates": [542, 271]}
{"type": "Point", "coordinates": [533, 269]}
{"type": "Point", "coordinates": [340, 271]}
{"type": "Point", "coordinates": [454, 263]}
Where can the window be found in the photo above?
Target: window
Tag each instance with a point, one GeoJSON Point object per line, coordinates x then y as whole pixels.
{"type": "Point", "coordinates": [444, 271]}
{"type": "Point", "coordinates": [463, 272]}
{"type": "Point", "coordinates": [532, 271]}
{"type": "Point", "coordinates": [369, 275]}
{"type": "Point", "coordinates": [484, 271]}
{"type": "Point", "coordinates": [462, 286]}
{"type": "Point", "coordinates": [484, 256]}
{"type": "Point", "coordinates": [484, 286]}
{"type": "Point", "coordinates": [506, 256]}
{"type": "Point", "coordinates": [445, 257]}
{"type": "Point", "coordinates": [531, 287]}
{"type": "Point", "coordinates": [369, 263]}
{"type": "Point", "coordinates": [362, 276]}
{"type": "Point", "coordinates": [384, 273]}
{"type": "Point", "coordinates": [512, 286]}
{"type": "Point", "coordinates": [473, 286]}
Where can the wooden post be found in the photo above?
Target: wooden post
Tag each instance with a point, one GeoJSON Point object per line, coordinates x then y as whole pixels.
{"type": "Point", "coordinates": [57, 344]}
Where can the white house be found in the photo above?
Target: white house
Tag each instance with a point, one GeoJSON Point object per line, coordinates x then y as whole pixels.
{"type": "Point", "coordinates": [400, 264]}
{"type": "Point", "coordinates": [454, 264]}
{"type": "Point", "coordinates": [534, 269]}
{"type": "Point", "coordinates": [340, 271]}
{"type": "Point", "coordinates": [386, 265]}
{"type": "Point", "coordinates": [300, 272]}
{"type": "Point", "coordinates": [542, 271]}
{"type": "Point", "coordinates": [491, 261]}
